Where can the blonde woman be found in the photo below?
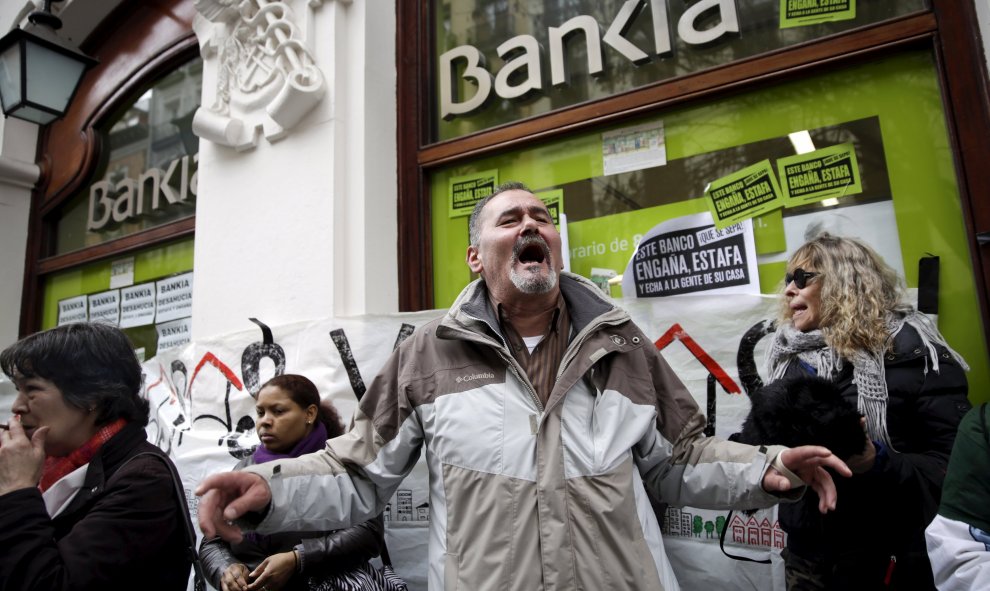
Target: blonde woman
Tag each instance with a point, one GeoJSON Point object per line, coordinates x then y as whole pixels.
{"type": "Point", "coordinates": [844, 319]}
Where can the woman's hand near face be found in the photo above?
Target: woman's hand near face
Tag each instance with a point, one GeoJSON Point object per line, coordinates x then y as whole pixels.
{"type": "Point", "coordinates": [21, 459]}
{"type": "Point", "coordinates": [235, 578]}
{"type": "Point", "coordinates": [274, 573]}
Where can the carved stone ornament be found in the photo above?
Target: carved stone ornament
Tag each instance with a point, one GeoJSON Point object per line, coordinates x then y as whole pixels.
{"type": "Point", "coordinates": [266, 78]}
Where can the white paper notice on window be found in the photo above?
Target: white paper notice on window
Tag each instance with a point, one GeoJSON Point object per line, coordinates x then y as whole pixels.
{"type": "Point", "coordinates": [72, 310]}
{"type": "Point", "coordinates": [122, 272]}
{"type": "Point", "coordinates": [173, 334]}
{"type": "Point", "coordinates": [634, 148]}
{"type": "Point", "coordinates": [137, 306]}
{"type": "Point", "coordinates": [105, 307]}
{"type": "Point", "coordinates": [174, 298]}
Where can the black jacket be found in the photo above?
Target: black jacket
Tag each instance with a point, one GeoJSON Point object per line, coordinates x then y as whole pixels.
{"type": "Point", "coordinates": [883, 513]}
{"type": "Point", "coordinates": [123, 530]}
{"type": "Point", "coordinates": [322, 552]}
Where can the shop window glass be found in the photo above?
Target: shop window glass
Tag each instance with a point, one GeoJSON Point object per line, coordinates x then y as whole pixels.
{"type": "Point", "coordinates": [150, 266]}
{"type": "Point", "coordinates": [147, 171]}
{"type": "Point", "coordinates": [889, 111]}
{"type": "Point", "coordinates": [646, 52]}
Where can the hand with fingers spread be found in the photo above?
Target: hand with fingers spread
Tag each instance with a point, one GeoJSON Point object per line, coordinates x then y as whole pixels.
{"type": "Point", "coordinates": [21, 459]}
{"type": "Point", "coordinates": [226, 497]}
{"type": "Point", "coordinates": [808, 463]}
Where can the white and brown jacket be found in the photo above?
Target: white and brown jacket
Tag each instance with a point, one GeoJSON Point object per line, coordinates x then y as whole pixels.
{"type": "Point", "coordinates": [522, 496]}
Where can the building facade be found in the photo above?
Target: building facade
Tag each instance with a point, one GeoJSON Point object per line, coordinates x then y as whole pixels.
{"type": "Point", "coordinates": [298, 159]}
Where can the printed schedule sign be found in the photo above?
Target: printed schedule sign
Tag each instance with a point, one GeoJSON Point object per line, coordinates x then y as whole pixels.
{"type": "Point", "coordinates": [827, 173]}
{"type": "Point", "coordinates": [690, 255]}
{"type": "Point", "coordinates": [466, 191]}
{"type": "Point", "coordinates": [633, 148]}
{"type": "Point", "coordinates": [743, 195]}
{"type": "Point", "coordinates": [796, 13]}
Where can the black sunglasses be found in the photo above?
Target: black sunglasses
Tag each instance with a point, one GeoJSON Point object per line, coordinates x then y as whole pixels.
{"type": "Point", "coordinates": [800, 277]}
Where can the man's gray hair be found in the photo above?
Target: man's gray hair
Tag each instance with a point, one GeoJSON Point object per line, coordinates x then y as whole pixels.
{"type": "Point", "coordinates": [473, 230]}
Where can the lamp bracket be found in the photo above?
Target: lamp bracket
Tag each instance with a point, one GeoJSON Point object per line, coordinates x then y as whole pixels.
{"type": "Point", "coordinates": [45, 17]}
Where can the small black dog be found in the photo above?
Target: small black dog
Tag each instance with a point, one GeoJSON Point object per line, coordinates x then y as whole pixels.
{"type": "Point", "coordinates": [803, 411]}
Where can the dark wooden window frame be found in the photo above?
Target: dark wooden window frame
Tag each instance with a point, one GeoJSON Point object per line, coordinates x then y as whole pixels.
{"type": "Point", "coordinates": [950, 30]}
{"type": "Point", "coordinates": [140, 42]}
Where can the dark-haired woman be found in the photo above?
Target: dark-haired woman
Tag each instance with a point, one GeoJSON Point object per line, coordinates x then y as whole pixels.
{"type": "Point", "coordinates": [844, 319]}
{"type": "Point", "coordinates": [291, 422]}
{"type": "Point", "coordinates": [78, 509]}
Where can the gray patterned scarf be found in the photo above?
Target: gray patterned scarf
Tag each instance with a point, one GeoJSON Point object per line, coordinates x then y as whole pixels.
{"type": "Point", "coordinates": [868, 368]}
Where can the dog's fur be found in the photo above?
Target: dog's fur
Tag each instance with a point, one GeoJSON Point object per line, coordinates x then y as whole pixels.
{"type": "Point", "coordinates": [804, 411]}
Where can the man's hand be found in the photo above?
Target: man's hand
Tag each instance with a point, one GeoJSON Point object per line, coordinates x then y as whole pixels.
{"type": "Point", "coordinates": [227, 496]}
{"type": "Point", "coordinates": [808, 462]}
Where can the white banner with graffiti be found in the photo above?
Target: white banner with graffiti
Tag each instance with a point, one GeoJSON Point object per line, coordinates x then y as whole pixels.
{"type": "Point", "coordinates": [203, 414]}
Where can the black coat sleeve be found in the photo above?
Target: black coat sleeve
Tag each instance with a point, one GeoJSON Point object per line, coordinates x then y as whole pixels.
{"type": "Point", "coordinates": [128, 529]}
{"type": "Point", "coordinates": [925, 410]}
{"type": "Point", "coordinates": [215, 556]}
{"type": "Point", "coordinates": [342, 549]}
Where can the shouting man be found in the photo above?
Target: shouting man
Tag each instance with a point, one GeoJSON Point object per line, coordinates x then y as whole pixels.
{"type": "Point", "coordinates": [546, 415]}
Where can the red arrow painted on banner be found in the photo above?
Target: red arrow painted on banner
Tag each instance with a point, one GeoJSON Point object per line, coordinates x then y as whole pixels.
{"type": "Point", "coordinates": [676, 332]}
{"type": "Point", "coordinates": [212, 360]}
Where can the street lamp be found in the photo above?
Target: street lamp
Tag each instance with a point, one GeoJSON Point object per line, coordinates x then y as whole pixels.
{"type": "Point", "coordinates": [39, 72]}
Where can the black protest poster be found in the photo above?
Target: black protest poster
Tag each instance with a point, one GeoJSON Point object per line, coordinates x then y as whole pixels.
{"type": "Point", "coordinates": [696, 257]}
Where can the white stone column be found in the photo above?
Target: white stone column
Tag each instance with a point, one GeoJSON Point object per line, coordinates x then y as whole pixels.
{"type": "Point", "coordinates": [18, 174]}
{"type": "Point", "coordinates": [299, 223]}
{"type": "Point", "coordinates": [365, 258]}
{"type": "Point", "coordinates": [983, 16]}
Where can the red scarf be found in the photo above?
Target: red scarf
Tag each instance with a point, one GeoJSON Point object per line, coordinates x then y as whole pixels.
{"type": "Point", "coordinates": [55, 467]}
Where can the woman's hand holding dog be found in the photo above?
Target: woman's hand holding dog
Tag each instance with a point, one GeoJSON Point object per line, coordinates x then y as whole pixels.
{"type": "Point", "coordinates": [863, 462]}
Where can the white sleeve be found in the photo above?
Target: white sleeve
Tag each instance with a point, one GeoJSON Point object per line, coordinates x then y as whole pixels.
{"type": "Point", "coordinates": [960, 562]}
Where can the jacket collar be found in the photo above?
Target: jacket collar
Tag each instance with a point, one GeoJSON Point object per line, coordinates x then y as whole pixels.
{"type": "Point", "coordinates": [907, 344]}
{"type": "Point", "coordinates": [111, 456]}
{"type": "Point", "coordinates": [585, 304]}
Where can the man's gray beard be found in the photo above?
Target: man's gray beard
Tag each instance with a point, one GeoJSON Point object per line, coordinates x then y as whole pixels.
{"type": "Point", "coordinates": [532, 283]}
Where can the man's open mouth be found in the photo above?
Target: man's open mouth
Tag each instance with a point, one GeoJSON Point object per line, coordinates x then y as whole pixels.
{"type": "Point", "coordinates": [532, 249]}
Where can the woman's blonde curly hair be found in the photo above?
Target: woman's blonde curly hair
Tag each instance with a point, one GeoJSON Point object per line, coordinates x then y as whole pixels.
{"type": "Point", "coordinates": [858, 292]}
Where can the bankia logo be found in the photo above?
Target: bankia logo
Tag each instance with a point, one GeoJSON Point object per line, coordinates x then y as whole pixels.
{"type": "Point", "coordinates": [475, 376]}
